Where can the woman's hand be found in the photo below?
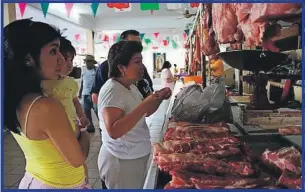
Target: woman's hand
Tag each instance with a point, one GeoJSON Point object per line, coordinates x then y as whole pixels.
{"type": "Point", "coordinates": [164, 93]}
{"type": "Point", "coordinates": [152, 102]}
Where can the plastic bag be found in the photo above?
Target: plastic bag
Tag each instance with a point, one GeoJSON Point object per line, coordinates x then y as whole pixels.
{"type": "Point", "coordinates": [193, 102]}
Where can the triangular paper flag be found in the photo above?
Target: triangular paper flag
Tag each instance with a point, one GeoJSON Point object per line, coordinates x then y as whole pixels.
{"type": "Point", "coordinates": [187, 31]}
{"type": "Point", "coordinates": [174, 44]}
{"type": "Point", "coordinates": [94, 7]}
{"type": "Point", "coordinates": [44, 8]}
{"type": "Point", "coordinates": [149, 6]}
{"type": "Point", "coordinates": [142, 35]}
{"type": "Point", "coordinates": [22, 7]}
{"type": "Point", "coordinates": [147, 41]}
{"type": "Point", "coordinates": [165, 42]}
{"type": "Point", "coordinates": [69, 7]}
{"type": "Point", "coordinates": [117, 39]}
{"type": "Point", "coordinates": [114, 38]}
{"type": "Point", "coordinates": [184, 36]}
{"type": "Point", "coordinates": [168, 39]}
{"type": "Point", "coordinates": [156, 34]}
{"type": "Point", "coordinates": [77, 36]}
{"type": "Point", "coordinates": [106, 38]}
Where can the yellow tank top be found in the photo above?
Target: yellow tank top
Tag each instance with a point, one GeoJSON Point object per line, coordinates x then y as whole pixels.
{"type": "Point", "coordinates": [64, 90]}
{"type": "Point", "coordinates": [45, 163]}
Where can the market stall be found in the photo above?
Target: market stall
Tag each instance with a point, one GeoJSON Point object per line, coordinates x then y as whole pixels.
{"type": "Point", "coordinates": [262, 147]}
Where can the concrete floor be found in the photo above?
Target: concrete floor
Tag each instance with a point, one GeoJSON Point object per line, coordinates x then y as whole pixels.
{"type": "Point", "coordinates": [14, 161]}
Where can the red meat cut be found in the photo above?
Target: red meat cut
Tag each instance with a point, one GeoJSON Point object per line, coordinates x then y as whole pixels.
{"type": "Point", "coordinates": [290, 180]}
{"type": "Point", "coordinates": [287, 158]}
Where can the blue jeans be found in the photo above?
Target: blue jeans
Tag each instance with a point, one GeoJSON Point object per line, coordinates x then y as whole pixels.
{"type": "Point", "coordinates": [87, 105]}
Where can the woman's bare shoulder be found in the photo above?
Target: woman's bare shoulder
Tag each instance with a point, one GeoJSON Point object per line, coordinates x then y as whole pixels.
{"type": "Point", "coordinates": [42, 102]}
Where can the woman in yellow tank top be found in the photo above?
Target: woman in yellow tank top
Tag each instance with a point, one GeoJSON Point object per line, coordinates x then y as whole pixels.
{"type": "Point", "coordinates": [65, 89]}
{"type": "Point", "coordinates": [39, 124]}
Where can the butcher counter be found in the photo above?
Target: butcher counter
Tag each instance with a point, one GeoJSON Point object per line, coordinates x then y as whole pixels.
{"type": "Point", "coordinates": [153, 171]}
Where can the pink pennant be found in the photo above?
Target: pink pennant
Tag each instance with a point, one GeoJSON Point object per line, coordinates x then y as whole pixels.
{"type": "Point", "coordinates": [165, 42]}
{"type": "Point", "coordinates": [83, 50]}
{"type": "Point", "coordinates": [106, 38]}
{"type": "Point", "coordinates": [151, 11]}
{"type": "Point", "coordinates": [69, 7]}
{"type": "Point", "coordinates": [184, 36]}
{"type": "Point", "coordinates": [114, 38]}
{"type": "Point", "coordinates": [77, 36]}
{"type": "Point", "coordinates": [156, 34]}
{"type": "Point", "coordinates": [22, 7]}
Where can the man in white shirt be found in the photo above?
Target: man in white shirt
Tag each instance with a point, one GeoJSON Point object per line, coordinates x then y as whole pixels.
{"type": "Point", "coordinates": [88, 77]}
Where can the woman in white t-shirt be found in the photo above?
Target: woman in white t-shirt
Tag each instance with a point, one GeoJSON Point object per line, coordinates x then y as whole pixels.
{"type": "Point", "coordinates": [123, 157]}
{"type": "Point", "coordinates": [167, 77]}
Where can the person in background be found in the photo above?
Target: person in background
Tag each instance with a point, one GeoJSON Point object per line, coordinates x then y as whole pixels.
{"type": "Point", "coordinates": [123, 157]}
{"type": "Point", "coordinates": [39, 123]}
{"type": "Point", "coordinates": [144, 85]}
{"type": "Point", "coordinates": [167, 77]}
{"type": "Point", "coordinates": [65, 89]}
{"type": "Point", "coordinates": [87, 81]}
{"type": "Point", "coordinates": [175, 69]}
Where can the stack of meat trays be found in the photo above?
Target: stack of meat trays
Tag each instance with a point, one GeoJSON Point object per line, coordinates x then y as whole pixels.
{"type": "Point", "coordinates": [206, 156]}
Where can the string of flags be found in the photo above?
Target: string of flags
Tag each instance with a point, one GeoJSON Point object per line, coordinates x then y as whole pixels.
{"type": "Point", "coordinates": [154, 43]}
{"type": "Point", "coordinates": [153, 40]}
{"type": "Point", "coordinates": [118, 7]}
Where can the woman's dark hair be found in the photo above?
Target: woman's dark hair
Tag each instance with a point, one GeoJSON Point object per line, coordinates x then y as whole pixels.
{"type": "Point", "coordinates": [166, 65]}
{"type": "Point", "coordinates": [66, 46]}
{"type": "Point", "coordinates": [120, 54]}
{"type": "Point", "coordinates": [23, 39]}
{"type": "Point", "coordinates": [125, 34]}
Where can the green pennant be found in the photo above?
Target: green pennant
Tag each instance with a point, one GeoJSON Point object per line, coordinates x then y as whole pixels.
{"type": "Point", "coordinates": [142, 35]}
{"type": "Point", "coordinates": [149, 6]}
{"type": "Point", "coordinates": [168, 39]}
{"type": "Point", "coordinates": [117, 39]}
{"type": "Point", "coordinates": [187, 31]}
{"type": "Point", "coordinates": [44, 8]}
{"type": "Point", "coordinates": [94, 7]}
{"type": "Point", "coordinates": [174, 44]}
{"type": "Point", "coordinates": [147, 41]}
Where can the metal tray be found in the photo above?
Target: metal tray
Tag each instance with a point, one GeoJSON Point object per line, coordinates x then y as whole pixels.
{"type": "Point", "coordinates": [258, 144]}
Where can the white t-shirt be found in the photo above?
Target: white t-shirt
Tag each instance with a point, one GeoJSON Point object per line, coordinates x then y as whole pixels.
{"type": "Point", "coordinates": [88, 77]}
{"type": "Point", "coordinates": [165, 74]}
{"type": "Point", "coordinates": [135, 143]}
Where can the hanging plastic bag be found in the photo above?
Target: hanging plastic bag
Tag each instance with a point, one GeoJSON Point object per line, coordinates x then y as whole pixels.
{"type": "Point", "coordinates": [193, 102]}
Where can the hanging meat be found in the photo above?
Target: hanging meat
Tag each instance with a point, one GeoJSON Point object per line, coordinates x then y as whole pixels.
{"type": "Point", "coordinates": [225, 23]}
{"type": "Point", "coordinates": [253, 32]}
{"type": "Point", "coordinates": [209, 45]}
{"type": "Point", "coordinates": [268, 11]}
{"type": "Point", "coordinates": [197, 47]}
